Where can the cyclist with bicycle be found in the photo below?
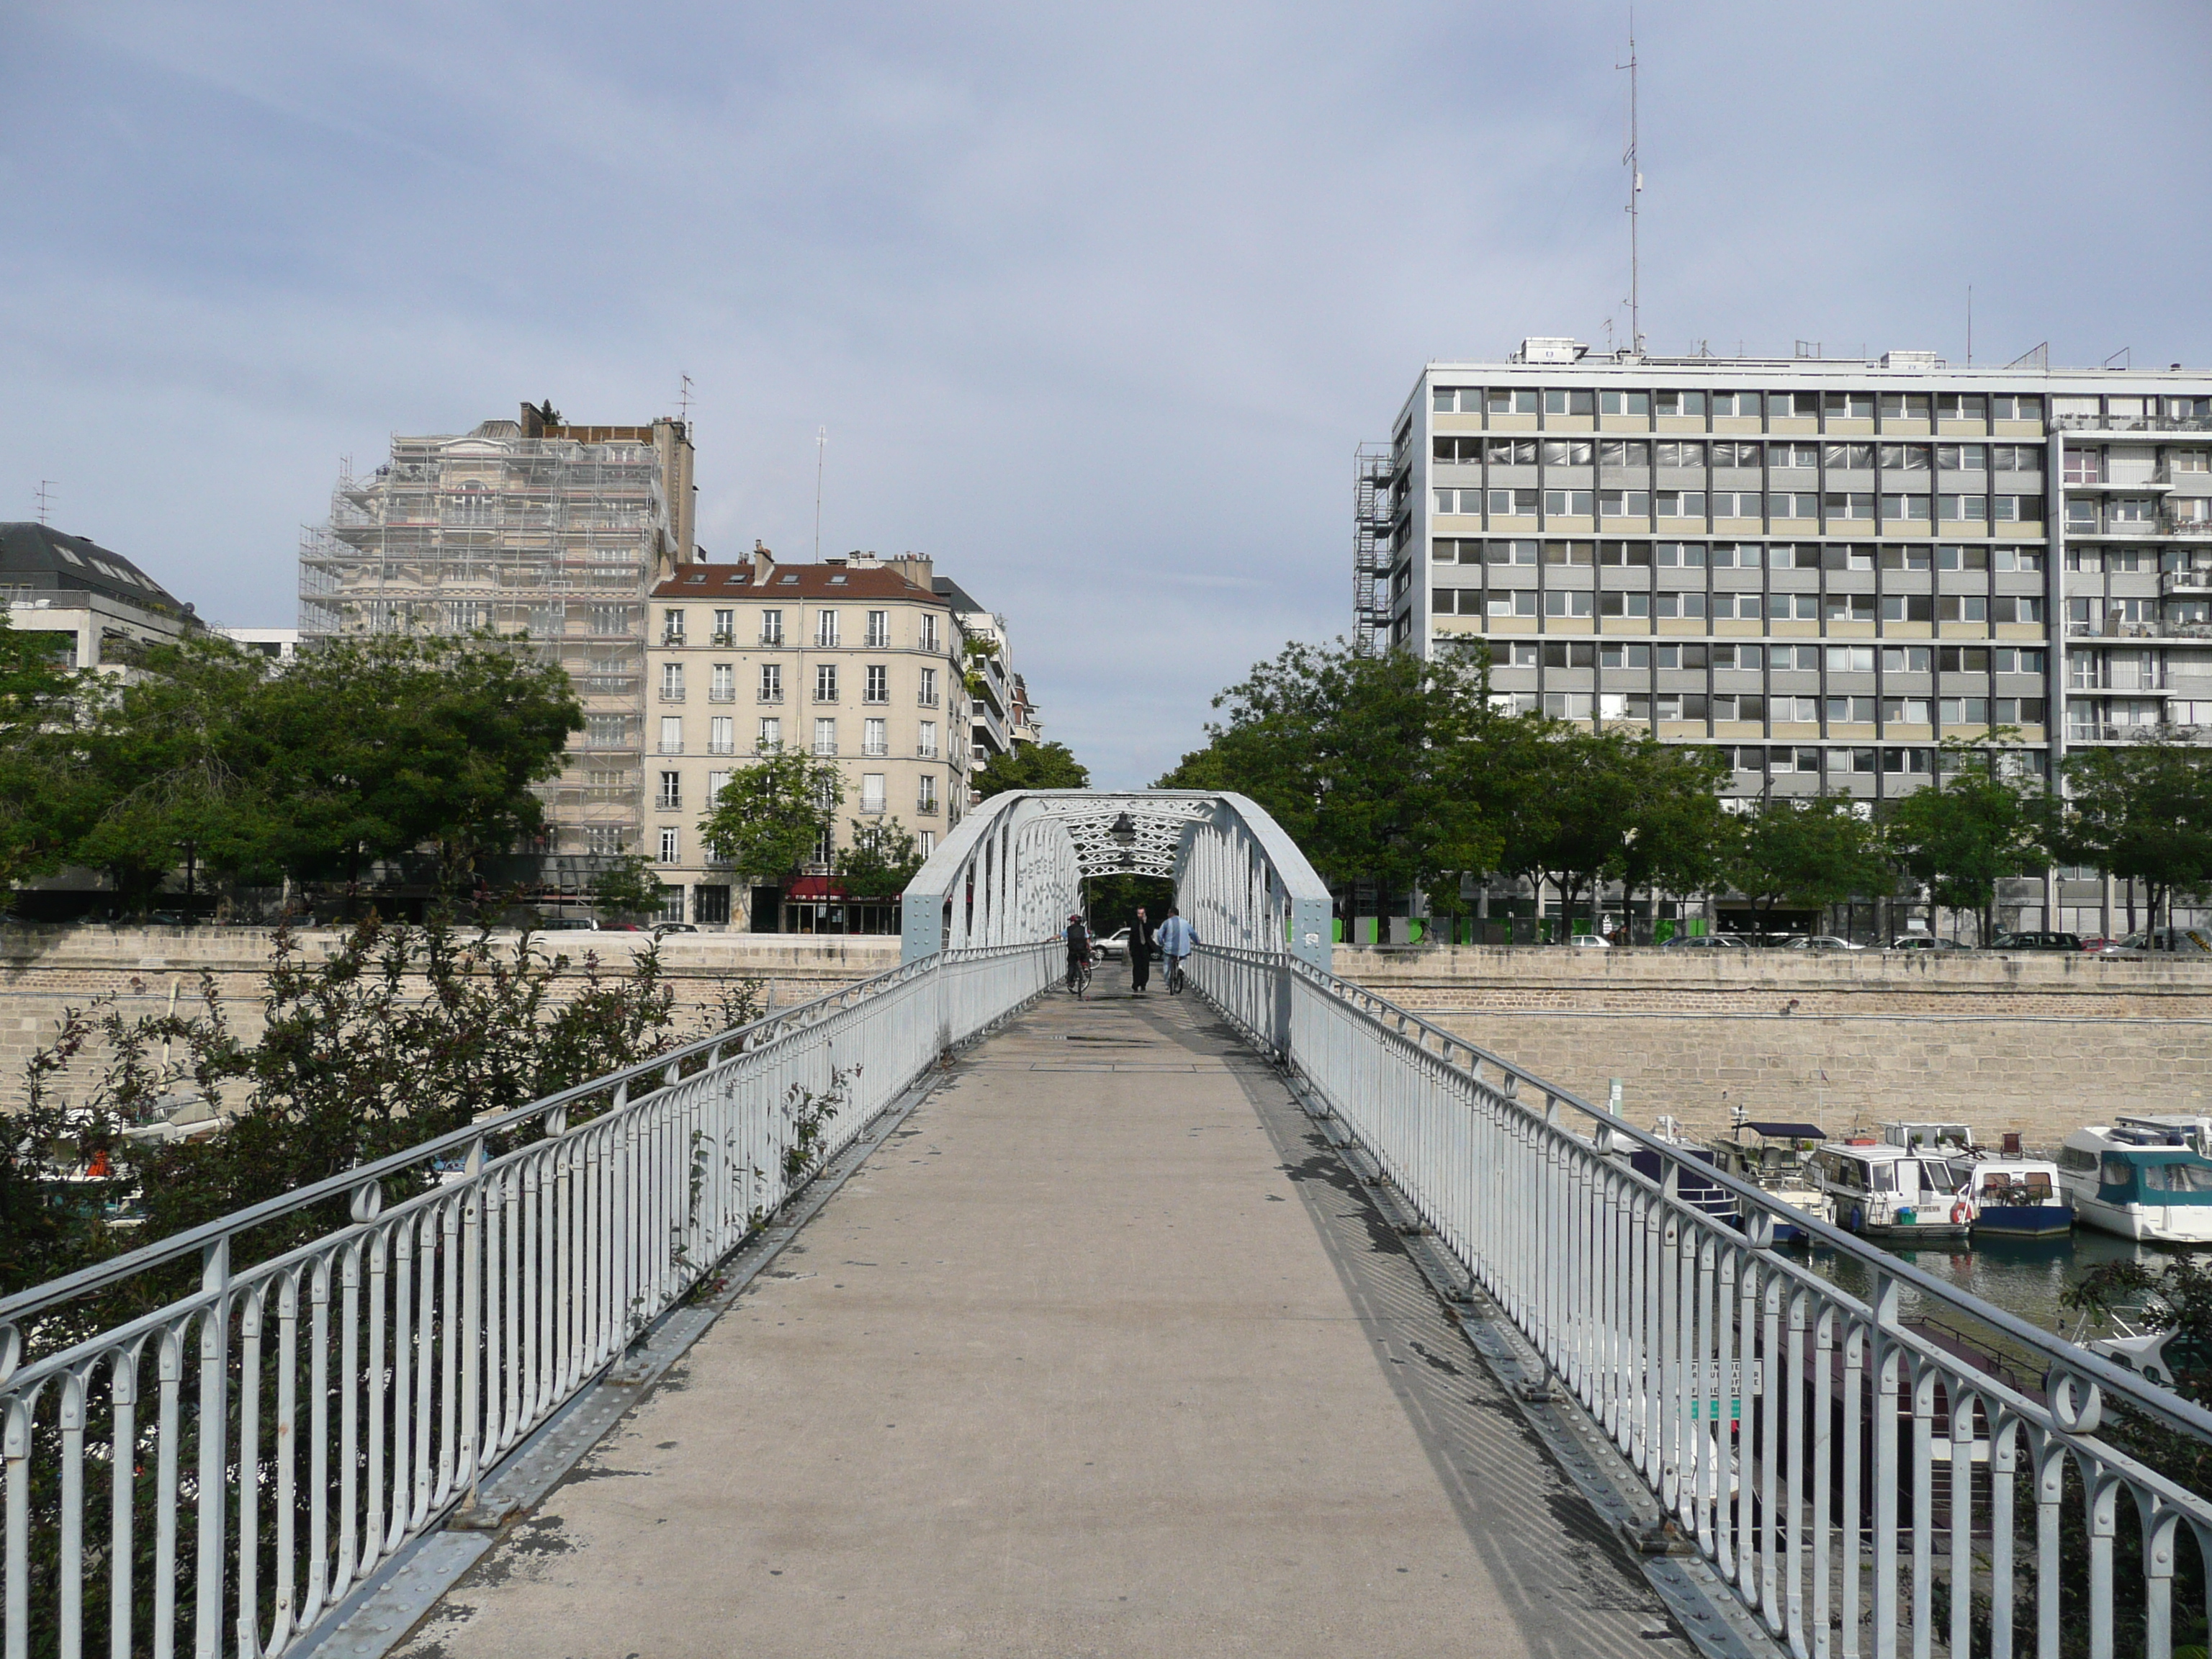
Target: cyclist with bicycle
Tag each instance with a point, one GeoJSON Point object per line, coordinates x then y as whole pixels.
{"type": "Point", "coordinates": [1176, 937]}
{"type": "Point", "coordinates": [1078, 953]}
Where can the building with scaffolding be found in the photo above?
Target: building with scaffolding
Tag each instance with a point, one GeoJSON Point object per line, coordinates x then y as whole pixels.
{"type": "Point", "coordinates": [534, 526]}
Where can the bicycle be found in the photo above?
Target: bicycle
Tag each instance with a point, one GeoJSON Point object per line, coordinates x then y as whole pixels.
{"type": "Point", "coordinates": [1175, 981]}
{"type": "Point", "coordinates": [1078, 976]}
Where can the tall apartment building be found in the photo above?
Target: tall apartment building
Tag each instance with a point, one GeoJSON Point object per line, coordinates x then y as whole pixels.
{"type": "Point", "coordinates": [1823, 568]}
{"type": "Point", "coordinates": [536, 525]}
{"type": "Point", "coordinates": [994, 727]}
{"type": "Point", "coordinates": [856, 659]}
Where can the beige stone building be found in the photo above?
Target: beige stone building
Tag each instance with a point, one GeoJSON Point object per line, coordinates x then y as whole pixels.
{"type": "Point", "coordinates": [856, 659]}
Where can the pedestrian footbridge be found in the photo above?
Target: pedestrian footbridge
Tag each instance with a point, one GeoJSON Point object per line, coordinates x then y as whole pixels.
{"type": "Point", "coordinates": [949, 1313]}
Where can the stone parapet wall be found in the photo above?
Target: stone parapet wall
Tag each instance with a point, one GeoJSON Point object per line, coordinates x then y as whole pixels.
{"type": "Point", "coordinates": [45, 971]}
{"type": "Point", "coordinates": [2040, 1044]}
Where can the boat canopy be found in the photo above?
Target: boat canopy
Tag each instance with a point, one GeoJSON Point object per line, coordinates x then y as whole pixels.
{"type": "Point", "coordinates": [1788, 1131]}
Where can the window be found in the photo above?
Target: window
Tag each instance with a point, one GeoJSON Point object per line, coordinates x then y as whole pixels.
{"type": "Point", "coordinates": [771, 735]}
{"type": "Point", "coordinates": [1792, 405]}
{"type": "Point", "coordinates": [607, 840]}
{"type": "Point", "coordinates": [825, 629]}
{"type": "Point", "coordinates": [1848, 406]}
{"type": "Point", "coordinates": [609, 619]}
{"type": "Point", "coordinates": [875, 736]}
{"type": "Point", "coordinates": [825, 737]}
{"type": "Point", "coordinates": [1567, 705]}
{"type": "Point", "coordinates": [721, 735]}
{"type": "Point", "coordinates": [1570, 552]}
{"type": "Point", "coordinates": [671, 682]}
{"type": "Point", "coordinates": [1514, 503]}
{"type": "Point", "coordinates": [1746, 657]}
{"type": "Point", "coordinates": [1908, 607]}
{"type": "Point", "coordinates": [1849, 504]}
{"type": "Point", "coordinates": [771, 628]}
{"type": "Point", "coordinates": [1962, 457]}
{"type": "Point", "coordinates": [1558, 604]}
{"type": "Point", "coordinates": [710, 906]}
{"type": "Point", "coordinates": [1963, 659]}
{"type": "Point", "coordinates": [1572, 503]}
{"type": "Point", "coordinates": [1904, 659]}
{"type": "Point", "coordinates": [716, 782]}
{"type": "Point", "coordinates": [2023, 660]}
{"type": "Point", "coordinates": [1567, 451]}
{"type": "Point", "coordinates": [1807, 455]}
{"type": "Point", "coordinates": [1962, 510]}
{"type": "Point", "coordinates": [2015, 408]}
{"type": "Point", "coordinates": [872, 792]}
{"type": "Point", "coordinates": [2189, 460]}
{"type": "Point", "coordinates": [771, 682]}
{"type": "Point", "coordinates": [1749, 455]}
{"type": "Point", "coordinates": [1670, 605]}
{"type": "Point", "coordinates": [1623, 604]}
{"type": "Point", "coordinates": [726, 628]}
{"type": "Point", "coordinates": [1962, 558]}
{"type": "Point", "coordinates": [1961, 406]}
{"type": "Point", "coordinates": [1852, 711]}
{"type": "Point", "coordinates": [1737, 504]}
{"type": "Point", "coordinates": [1517, 602]}
{"type": "Point", "coordinates": [879, 630]}
{"type": "Point", "coordinates": [1567, 400]}
{"type": "Point", "coordinates": [878, 687]}
{"type": "Point", "coordinates": [825, 682]}
{"type": "Point", "coordinates": [1624, 402]}
{"type": "Point", "coordinates": [1624, 452]}
{"type": "Point", "coordinates": [1906, 507]}
{"type": "Point", "coordinates": [671, 734]}
{"type": "Point", "coordinates": [1512, 553]}
{"type": "Point", "coordinates": [1682, 556]}
{"type": "Point", "coordinates": [925, 740]}
{"type": "Point", "coordinates": [925, 842]}
{"type": "Point", "coordinates": [1847, 607]}
{"type": "Point", "coordinates": [929, 633]}
{"type": "Point", "coordinates": [2025, 509]}
{"type": "Point", "coordinates": [1624, 504]}
{"type": "Point", "coordinates": [1505, 400]}
{"type": "Point", "coordinates": [2016, 458]}
{"type": "Point", "coordinates": [671, 797]}
{"type": "Point", "coordinates": [925, 798]}
{"type": "Point", "coordinates": [1851, 659]}
{"type": "Point", "coordinates": [1678, 706]}
{"type": "Point", "coordinates": [1904, 405]}
{"type": "Point", "coordinates": [1511, 451]}
{"type": "Point", "coordinates": [1740, 706]}
{"type": "Point", "coordinates": [2017, 608]}
{"type": "Point", "coordinates": [1679, 403]}
{"type": "Point", "coordinates": [606, 731]}
{"type": "Point", "coordinates": [1794, 504]}
{"type": "Point", "coordinates": [1795, 711]}
{"type": "Point", "coordinates": [1682, 454]}
{"type": "Point", "coordinates": [1623, 656]}
{"type": "Point", "coordinates": [2019, 711]}
{"type": "Point", "coordinates": [1962, 711]}
{"type": "Point", "coordinates": [1447, 501]}
{"type": "Point", "coordinates": [1906, 711]}
{"type": "Point", "coordinates": [1904, 458]}
{"type": "Point", "coordinates": [1442, 400]}
{"type": "Point", "coordinates": [671, 627]}
{"type": "Point", "coordinates": [927, 696]}
{"type": "Point", "coordinates": [671, 842]}
{"type": "Point", "coordinates": [1852, 458]}
{"type": "Point", "coordinates": [1961, 607]}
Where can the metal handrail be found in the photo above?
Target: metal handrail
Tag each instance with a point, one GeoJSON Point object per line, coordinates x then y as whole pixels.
{"type": "Point", "coordinates": [1649, 1309]}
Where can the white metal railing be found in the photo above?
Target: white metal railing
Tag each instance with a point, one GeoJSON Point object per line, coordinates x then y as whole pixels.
{"type": "Point", "coordinates": [1870, 1473]}
{"type": "Point", "coordinates": [366, 1377]}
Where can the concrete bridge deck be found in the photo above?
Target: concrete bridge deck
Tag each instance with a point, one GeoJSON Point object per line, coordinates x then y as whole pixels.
{"type": "Point", "coordinates": [1105, 1351]}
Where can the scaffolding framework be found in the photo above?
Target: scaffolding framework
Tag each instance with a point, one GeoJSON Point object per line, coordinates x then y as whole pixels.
{"type": "Point", "coordinates": [1371, 542]}
{"type": "Point", "coordinates": [558, 533]}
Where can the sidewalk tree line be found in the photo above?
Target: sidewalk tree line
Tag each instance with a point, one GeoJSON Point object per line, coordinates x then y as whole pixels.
{"type": "Point", "coordinates": [202, 758]}
{"type": "Point", "coordinates": [1406, 773]}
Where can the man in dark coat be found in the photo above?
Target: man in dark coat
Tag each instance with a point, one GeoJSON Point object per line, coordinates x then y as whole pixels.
{"type": "Point", "coordinates": [1140, 953]}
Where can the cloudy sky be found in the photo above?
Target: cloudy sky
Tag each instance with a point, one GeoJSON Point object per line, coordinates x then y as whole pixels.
{"type": "Point", "coordinates": [1094, 303]}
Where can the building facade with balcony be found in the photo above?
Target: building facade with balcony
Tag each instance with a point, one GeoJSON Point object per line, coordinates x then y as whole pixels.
{"type": "Point", "coordinates": [856, 659]}
{"type": "Point", "coordinates": [536, 527]}
{"type": "Point", "coordinates": [1821, 568]}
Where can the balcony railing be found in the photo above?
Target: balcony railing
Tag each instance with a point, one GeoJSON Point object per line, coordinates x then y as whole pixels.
{"type": "Point", "coordinates": [2131, 423]}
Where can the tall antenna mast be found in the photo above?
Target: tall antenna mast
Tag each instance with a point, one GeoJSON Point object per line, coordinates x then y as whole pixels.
{"type": "Point", "coordinates": [1635, 189]}
{"type": "Point", "coordinates": [820, 444]}
{"type": "Point", "coordinates": [683, 402]}
{"type": "Point", "coordinates": [46, 488]}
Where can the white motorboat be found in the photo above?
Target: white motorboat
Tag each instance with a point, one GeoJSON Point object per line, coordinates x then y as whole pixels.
{"type": "Point", "coordinates": [2145, 1177]}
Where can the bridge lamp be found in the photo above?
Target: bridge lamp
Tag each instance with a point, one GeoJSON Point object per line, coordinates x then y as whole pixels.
{"type": "Point", "coordinates": [1123, 830]}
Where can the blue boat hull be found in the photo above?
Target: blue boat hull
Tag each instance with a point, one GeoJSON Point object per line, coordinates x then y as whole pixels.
{"type": "Point", "coordinates": [2025, 1220]}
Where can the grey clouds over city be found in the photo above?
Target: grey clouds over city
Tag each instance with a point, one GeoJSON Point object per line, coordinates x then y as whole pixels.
{"type": "Point", "coordinates": [1094, 304]}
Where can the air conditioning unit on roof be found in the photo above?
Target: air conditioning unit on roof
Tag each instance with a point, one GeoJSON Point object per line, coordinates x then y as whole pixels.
{"type": "Point", "coordinates": [1911, 359]}
{"type": "Point", "coordinates": [1549, 348]}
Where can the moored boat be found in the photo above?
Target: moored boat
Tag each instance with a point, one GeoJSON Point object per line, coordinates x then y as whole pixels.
{"type": "Point", "coordinates": [1775, 1163]}
{"type": "Point", "coordinates": [2014, 1196]}
{"type": "Point", "coordinates": [1901, 1196]}
{"type": "Point", "coordinates": [2145, 1177]}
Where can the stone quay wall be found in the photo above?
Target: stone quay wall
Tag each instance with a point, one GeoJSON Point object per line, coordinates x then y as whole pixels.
{"type": "Point", "coordinates": [2037, 1043]}
{"type": "Point", "coordinates": [45, 971]}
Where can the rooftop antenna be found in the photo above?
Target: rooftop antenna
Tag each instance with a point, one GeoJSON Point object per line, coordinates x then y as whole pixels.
{"type": "Point", "coordinates": [46, 488]}
{"type": "Point", "coordinates": [820, 444]}
{"type": "Point", "coordinates": [683, 402]}
{"type": "Point", "coordinates": [1969, 325]}
{"type": "Point", "coordinates": [1635, 189]}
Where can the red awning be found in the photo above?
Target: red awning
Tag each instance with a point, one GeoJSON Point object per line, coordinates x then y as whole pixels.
{"type": "Point", "coordinates": [814, 887]}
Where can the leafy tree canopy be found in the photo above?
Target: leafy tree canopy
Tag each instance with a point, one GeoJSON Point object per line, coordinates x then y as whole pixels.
{"type": "Point", "coordinates": [770, 817]}
{"type": "Point", "coordinates": [1979, 822]}
{"type": "Point", "coordinates": [2142, 813]}
{"type": "Point", "coordinates": [880, 860]}
{"type": "Point", "coordinates": [1033, 766]}
{"type": "Point", "coordinates": [626, 888]}
{"type": "Point", "coordinates": [1817, 851]}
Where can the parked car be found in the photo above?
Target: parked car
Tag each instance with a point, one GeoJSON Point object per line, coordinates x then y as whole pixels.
{"type": "Point", "coordinates": [673, 927]}
{"type": "Point", "coordinates": [1822, 942]}
{"type": "Point", "coordinates": [1112, 947]}
{"type": "Point", "coordinates": [1708, 942]}
{"type": "Point", "coordinates": [2180, 941]}
{"type": "Point", "coordinates": [1591, 942]}
{"type": "Point", "coordinates": [2096, 946]}
{"type": "Point", "coordinates": [1925, 942]}
{"type": "Point", "coordinates": [566, 924]}
{"type": "Point", "coordinates": [2037, 942]}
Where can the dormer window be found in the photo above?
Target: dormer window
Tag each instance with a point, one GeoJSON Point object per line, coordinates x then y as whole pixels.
{"type": "Point", "coordinates": [791, 580]}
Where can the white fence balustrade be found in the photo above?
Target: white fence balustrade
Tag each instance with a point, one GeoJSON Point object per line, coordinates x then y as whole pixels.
{"type": "Point", "coordinates": [1859, 1482]}
{"type": "Point", "coordinates": [215, 1474]}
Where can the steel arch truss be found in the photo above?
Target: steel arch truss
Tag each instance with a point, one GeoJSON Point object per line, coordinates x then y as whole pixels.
{"type": "Point", "coordinates": [1013, 871]}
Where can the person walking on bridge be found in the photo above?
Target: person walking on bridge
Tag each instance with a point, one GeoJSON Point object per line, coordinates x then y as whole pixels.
{"type": "Point", "coordinates": [1176, 938]}
{"type": "Point", "coordinates": [1140, 952]}
{"type": "Point", "coordinates": [1079, 951]}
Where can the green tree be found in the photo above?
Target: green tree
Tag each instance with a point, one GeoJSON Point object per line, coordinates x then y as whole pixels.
{"type": "Point", "coordinates": [2142, 813]}
{"type": "Point", "coordinates": [1032, 766]}
{"type": "Point", "coordinates": [39, 704]}
{"type": "Point", "coordinates": [1680, 834]}
{"type": "Point", "coordinates": [626, 888]}
{"type": "Point", "coordinates": [1575, 797]}
{"type": "Point", "coordinates": [1809, 852]}
{"type": "Point", "coordinates": [879, 862]}
{"type": "Point", "coordinates": [1977, 822]}
{"type": "Point", "coordinates": [1362, 759]}
{"type": "Point", "coordinates": [771, 816]}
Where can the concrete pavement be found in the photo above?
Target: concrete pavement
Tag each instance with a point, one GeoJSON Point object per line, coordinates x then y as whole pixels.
{"type": "Point", "coordinates": [1103, 1353]}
